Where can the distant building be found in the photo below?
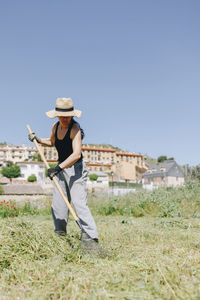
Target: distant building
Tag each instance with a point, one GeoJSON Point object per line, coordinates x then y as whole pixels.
{"type": "Point", "coordinates": [167, 173]}
{"type": "Point", "coordinates": [28, 168]}
{"type": "Point", "coordinates": [126, 166]}
{"type": "Point", "coordinates": [15, 153]}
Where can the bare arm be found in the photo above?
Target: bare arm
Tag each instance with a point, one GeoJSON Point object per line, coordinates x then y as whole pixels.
{"type": "Point", "coordinates": [76, 147]}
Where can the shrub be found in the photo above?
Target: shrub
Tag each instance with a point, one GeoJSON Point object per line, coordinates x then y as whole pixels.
{"type": "Point", "coordinates": [36, 157]}
{"type": "Point", "coordinates": [8, 209]}
{"type": "Point", "coordinates": [29, 210]}
{"type": "Point", "coordinates": [32, 178]}
{"type": "Point", "coordinates": [11, 171]}
{"type": "Point", "coordinates": [93, 177]}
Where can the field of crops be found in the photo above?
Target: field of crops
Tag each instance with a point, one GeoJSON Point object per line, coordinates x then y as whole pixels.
{"type": "Point", "coordinates": [150, 240]}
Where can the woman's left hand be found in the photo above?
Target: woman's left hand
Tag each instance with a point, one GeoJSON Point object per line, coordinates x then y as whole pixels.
{"type": "Point", "coordinates": [51, 172]}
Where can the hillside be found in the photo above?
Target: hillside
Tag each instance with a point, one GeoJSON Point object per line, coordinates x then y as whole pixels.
{"type": "Point", "coordinates": [103, 146]}
{"type": "Point", "coordinates": [150, 160]}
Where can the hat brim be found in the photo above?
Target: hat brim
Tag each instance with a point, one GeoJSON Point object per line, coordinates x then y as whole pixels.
{"type": "Point", "coordinates": [53, 113]}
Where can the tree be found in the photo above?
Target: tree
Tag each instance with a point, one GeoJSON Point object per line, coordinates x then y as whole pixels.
{"type": "Point", "coordinates": [161, 158]}
{"type": "Point", "coordinates": [32, 178]}
{"type": "Point", "coordinates": [93, 177]}
{"type": "Point", "coordinates": [36, 157]}
{"type": "Point", "coordinates": [11, 171]}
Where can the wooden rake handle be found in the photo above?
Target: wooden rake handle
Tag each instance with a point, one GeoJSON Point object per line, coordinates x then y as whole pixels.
{"type": "Point", "coordinates": [56, 181]}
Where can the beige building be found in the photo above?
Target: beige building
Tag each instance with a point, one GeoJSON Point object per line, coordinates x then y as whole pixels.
{"type": "Point", "coordinates": [119, 165]}
{"type": "Point", "coordinates": [124, 165]}
{"type": "Point", "coordinates": [50, 153]}
{"type": "Point", "coordinates": [129, 166]}
{"type": "Point", "coordinates": [15, 153]}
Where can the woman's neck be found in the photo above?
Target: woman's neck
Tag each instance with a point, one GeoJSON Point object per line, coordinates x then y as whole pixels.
{"type": "Point", "coordinates": [63, 126]}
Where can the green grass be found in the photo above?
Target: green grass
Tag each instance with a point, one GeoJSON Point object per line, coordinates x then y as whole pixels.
{"type": "Point", "coordinates": [12, 209]}
{"type": "Point", "coordinates": [156, 256]}
{"type": "Point", "coordinates": [166, 202]}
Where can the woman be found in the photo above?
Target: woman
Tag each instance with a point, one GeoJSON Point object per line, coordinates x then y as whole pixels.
{"type": "Point", "coordinates": [70, 171]}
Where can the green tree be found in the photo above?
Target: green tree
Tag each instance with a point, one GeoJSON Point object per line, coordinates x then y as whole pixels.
{"type": "Point", "coordinates": [36, 157]}
{"type": "Point", "coordinates": [93, 177]}
{"type": "Point", "coordinates": [11, 171]}
{"type": "Point", "coordinates": [32, 178]}
{"type": "Point", "coordinates": [161, 158]}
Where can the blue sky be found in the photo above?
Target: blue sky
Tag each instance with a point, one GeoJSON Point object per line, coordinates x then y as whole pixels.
{"type": "Point", "coordinates": [132, 67]}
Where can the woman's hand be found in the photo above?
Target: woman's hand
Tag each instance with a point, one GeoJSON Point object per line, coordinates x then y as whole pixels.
{"type": "Point", "coordinates": [51, 172]}
{"type": "Point", "coordinates": [33, 136]}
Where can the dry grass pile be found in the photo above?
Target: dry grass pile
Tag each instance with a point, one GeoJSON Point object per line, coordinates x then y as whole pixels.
{"type": "Point", "coordinates": [148, 258]}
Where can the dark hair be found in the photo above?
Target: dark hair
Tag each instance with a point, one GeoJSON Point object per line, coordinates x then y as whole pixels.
{"type": "Point", "coordinates": [75, 122]}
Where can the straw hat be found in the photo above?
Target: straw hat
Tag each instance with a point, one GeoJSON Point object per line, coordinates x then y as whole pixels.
{"type": "Point", "coordinates": [64, 108]}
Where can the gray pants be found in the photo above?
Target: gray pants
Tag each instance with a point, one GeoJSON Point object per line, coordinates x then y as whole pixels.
{"type": "Point", "coordinates": [73, 182]}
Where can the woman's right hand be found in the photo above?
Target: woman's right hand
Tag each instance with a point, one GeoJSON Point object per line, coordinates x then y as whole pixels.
{"type": "Point", "coordinates": [33, 136]}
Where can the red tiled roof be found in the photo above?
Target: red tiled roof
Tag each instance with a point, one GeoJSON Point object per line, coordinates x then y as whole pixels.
{"type": "Point", "coordinates": [142, 169]}
{"type": "Point", "coordinates": [110, 150]}
{"type": "Point", "coordinates": [97, 149]}
{"type": "Point", "coordinates": [30, 162]}
{"type": "Point", "coordinates": [128, 154]}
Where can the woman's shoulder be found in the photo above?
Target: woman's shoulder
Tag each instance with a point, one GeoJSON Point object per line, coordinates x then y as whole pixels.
{"type": "Point", "coordinates": [54, 126]}
{"type": "Point", "coordinates": [74, 129]}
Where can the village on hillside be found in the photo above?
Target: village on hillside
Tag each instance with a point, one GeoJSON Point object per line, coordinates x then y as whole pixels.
{"type": "Point", "coordinates": [107, 167]}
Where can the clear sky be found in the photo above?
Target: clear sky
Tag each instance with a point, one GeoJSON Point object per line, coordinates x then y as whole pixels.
{"type": "Point", "coordinates": [132, 67]}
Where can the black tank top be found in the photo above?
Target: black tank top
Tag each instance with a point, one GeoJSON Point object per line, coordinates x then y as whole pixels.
{"type": "Point", "coordinates": [64, 146]}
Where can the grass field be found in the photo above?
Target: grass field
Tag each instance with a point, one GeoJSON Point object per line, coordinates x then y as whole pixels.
{"type": "Point", "coordinates": [152, 251]}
